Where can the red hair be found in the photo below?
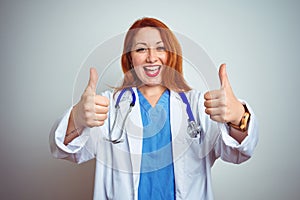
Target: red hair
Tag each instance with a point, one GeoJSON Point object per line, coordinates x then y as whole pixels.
{"type": "Point", "coordinates": [173, 75]}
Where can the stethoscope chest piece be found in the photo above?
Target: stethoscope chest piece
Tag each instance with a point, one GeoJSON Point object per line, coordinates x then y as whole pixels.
{"type": "Point", "coordinates": [194, 130]}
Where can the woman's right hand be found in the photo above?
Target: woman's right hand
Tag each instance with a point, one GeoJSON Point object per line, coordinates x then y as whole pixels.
{"type": "Point", "coordinates": [92, 109]}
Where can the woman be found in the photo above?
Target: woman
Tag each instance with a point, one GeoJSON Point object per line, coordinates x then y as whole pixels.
{"type": "Point", "coordinates": [151, 156]}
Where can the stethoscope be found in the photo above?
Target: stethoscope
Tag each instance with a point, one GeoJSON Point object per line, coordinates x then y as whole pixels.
{"type": "Point", "coordinates": [193, 130]}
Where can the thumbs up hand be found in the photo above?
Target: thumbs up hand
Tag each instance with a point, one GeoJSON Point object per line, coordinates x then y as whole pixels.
{"type": "Point", "coordinates": [221, 104]}
{"type": "Point", "coordinates": [92, 109]}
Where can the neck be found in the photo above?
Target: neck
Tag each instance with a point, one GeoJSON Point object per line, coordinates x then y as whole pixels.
{"type": "Point", "coordinates": [152, 93]}
{"type": "Point", "coordinates": [152, 90]}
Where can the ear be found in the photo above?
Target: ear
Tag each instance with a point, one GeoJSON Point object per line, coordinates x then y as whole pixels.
{"type": "Point", "coordinates": [129, 60]}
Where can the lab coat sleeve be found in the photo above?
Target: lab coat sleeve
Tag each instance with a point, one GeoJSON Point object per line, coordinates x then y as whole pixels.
{"type": "Point", "coordinates": [79, 150]}
{"type": "Point", "coordinates": [230, 150]}
{"type": "Point", "coordinates": [223, 145]}
{"type": "Point", "coordinates": [82, 148]}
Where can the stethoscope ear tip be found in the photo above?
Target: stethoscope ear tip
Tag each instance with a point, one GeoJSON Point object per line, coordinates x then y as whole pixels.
{"type": "Point", "coordinates": [117, 141]}
{"type": "Point", "coordinates": [113, 141]}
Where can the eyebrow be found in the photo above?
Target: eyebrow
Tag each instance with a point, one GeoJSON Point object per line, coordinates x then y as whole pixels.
{"type": "Point", "coordinates": [144, 43]}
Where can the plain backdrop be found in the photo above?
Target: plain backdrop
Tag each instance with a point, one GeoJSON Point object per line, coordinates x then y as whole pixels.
{"type": "Point", "coordinates": [43, 44]}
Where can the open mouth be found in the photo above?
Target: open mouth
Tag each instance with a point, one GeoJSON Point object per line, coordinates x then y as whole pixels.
{"type": "Point", "coordinates": [152, 71]}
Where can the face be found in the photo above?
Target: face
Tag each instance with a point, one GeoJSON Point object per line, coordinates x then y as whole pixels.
{"type": "Point", "coordinates": [148, 55]}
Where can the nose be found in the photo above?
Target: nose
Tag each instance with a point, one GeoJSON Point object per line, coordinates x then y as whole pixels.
{"type": "Point", "coordinates": [152, 56]}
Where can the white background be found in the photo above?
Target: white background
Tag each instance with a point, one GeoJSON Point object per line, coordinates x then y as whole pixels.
{"type": "Point", "coordinates": [43, 44]}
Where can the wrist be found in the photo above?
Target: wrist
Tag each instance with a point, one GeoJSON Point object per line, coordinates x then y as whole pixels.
{"type": "Point", "coordinates": [74, 129]}
{"type": "Point", "coordinates": [239, 115]}
{"type": "Point", "coordinates": [74, 118]}
{"type": "Point", "coordinates": [242, 123]}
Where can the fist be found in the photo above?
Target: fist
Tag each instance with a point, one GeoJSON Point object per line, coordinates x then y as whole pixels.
{"type": "Point", "coordinates": [222, 105]}
{"type": "Point", "coordinates": [92, 109]}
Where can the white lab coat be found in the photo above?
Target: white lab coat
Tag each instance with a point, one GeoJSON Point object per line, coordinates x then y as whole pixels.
{"type": "Point", "coordinates": [117, 170]}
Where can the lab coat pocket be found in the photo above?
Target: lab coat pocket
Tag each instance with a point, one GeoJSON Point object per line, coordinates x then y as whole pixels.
{"type": "Point", "coordinates": [189, 150]}
{"type": "Point", "coordinates": [194, 147]}
{"type": "Point", "coordinates": [194, 165]}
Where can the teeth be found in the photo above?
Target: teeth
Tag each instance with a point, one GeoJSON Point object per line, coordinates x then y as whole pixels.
{"type": "Point", "coordinates": [152, 68]}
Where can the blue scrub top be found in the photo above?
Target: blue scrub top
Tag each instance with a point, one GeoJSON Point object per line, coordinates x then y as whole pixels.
{"type": "Point", "coordinates": [157, 171]}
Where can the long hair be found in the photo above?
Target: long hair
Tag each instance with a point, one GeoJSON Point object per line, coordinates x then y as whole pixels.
{"type": "Point", "coordinates": [172, 74]}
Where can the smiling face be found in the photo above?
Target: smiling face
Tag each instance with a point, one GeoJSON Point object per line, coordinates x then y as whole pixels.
{"type": "Point", "coordinates": [148, 56]}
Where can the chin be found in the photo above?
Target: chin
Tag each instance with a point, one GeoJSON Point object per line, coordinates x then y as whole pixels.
{"type": "Point", "coordinates": [152, 82]}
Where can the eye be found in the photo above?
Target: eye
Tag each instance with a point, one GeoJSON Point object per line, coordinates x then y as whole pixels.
{"type": "Point", "coordinates": [141, 50]}
{"type": "Point", "coordinates": [161, 48]}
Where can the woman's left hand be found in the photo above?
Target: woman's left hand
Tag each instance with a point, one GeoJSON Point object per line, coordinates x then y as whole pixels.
{"type": "Point", "coordinates": [221, 104]}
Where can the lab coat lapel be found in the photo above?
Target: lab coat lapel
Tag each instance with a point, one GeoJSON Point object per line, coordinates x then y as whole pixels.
{"type": "Point", "coordinates": [134, 129]}
{"type": "Point", "coordinates": [178, 120]}
{"type": "Point", "coordinates": [175, 113]}
{"type": "Point", "coordinates": [134, 136]}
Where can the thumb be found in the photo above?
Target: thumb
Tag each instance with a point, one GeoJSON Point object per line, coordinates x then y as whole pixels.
{"type": "Point", "coordinates": [93, 78]}
{"type": "Point", "coordinates": [223, 76]}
